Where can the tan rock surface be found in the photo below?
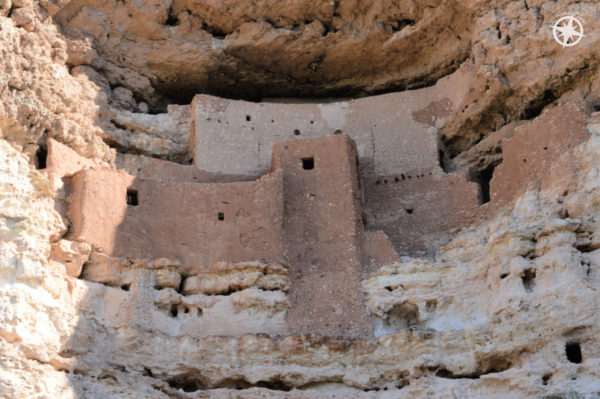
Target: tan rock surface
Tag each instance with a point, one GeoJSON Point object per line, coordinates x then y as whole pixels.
{"type": "Point", "coordinates": [337, 48]}
{"type": "Point", "coordinates": [506, 309]}
{"type": "Point", "coordinates": [489, 317]}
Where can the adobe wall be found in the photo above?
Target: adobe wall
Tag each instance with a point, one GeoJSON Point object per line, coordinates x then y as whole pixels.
{"type": "Point", "coordinates": [179, 221]}
{"type": "Point", "coordinates": [323, 235]}
{"type": "Point", "coordinates": [394, 133]}
{"type": "Point", "coordinates": [419, 213]}
{"type": "Point", "coordinates": [157, 169]}
{"type": "Point", "coordinates": [377, 250]}
{"type": "Point", "coordinates": [396, 138]}
{"type": "Point", "coordinates": [306, 214]}
{"type": "Point", "coordinates": [63, 161]}
{"type": "Point", "coordinates": [530, 155]}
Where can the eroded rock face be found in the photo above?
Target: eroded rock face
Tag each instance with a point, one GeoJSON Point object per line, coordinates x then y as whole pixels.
{"type": "Point", "coordinates": [492, 315]}
{"type": "Point", "coordinates": [339, 48]}
{"type": "Point", "coordinates": [502, 302]}
{"type": "Point", "coordinates": [298, 48]}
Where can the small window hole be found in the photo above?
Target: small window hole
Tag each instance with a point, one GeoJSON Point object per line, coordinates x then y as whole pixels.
{"type": "Point", "coordinates": [296, 132]}
{"type": "Point", "coordinates": [431, 305]}
{"type": "Point", "coordinates": [528, 279]}
{"type": "Point", "coordinates": [40, 158]}
{"type": "Point", "coordinates": [483, 178]}
{"type": "Point", "coordinates": [308, 163]}
{"type": "Point", "coordinates": [573, 352]}
{"type": "Point", "coordinates": [221, 216]}
{"type": "Point", "coordinates": [410, 211]}
{"type": "Point", "coordinates": [172, 19]}
{"type": "Point", "coordinates": [132, 197]}
{"type": "Point", "coordinates": [443, 160]}
{"type": "Point", "coordinates": [248, 118]}
{"type": "Point", "coordinates": [546, 378]}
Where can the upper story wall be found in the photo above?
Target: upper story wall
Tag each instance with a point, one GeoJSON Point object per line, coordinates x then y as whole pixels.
{"type": "Point", "coordinates": [421, 212]}
{"type": "Point", "coordinates": [531, 156]}
{"type": "Point", "coordinates": [196, 224]}
{"type": "Point", "coordinates": [394, 133]}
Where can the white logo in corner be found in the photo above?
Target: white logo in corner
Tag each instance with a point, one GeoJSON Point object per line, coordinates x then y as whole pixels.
{"type": "Point", "coordinates": [567, 31]}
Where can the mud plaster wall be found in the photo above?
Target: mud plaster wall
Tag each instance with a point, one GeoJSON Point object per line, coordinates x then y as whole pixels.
{"type": "Point", "coordinates": [196, 224]}
{"type": "Point", "coordinates": [306, 212]}
{"type": "Point", "coordinates": [323, 235]}
{"type": "Point", "coordinates": [237, 137]}
{"type": "Point", "coordinates": [419, 211]}
{"type": "Point", "coordinates": [530, 155]}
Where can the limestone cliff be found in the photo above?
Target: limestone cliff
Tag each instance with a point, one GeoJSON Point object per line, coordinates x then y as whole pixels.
{"type": "Point", "coordinates": [470, 269]}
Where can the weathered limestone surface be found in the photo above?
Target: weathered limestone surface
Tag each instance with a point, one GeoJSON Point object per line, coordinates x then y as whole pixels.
{"type": "Point", "coordinates": [42, 96]}
{"type": "Point", "coordinates": [489, 317]}
{"type": "Point", "coordinates": [490, 313]}
{"type": "Point", "coordinates": [335, 48]}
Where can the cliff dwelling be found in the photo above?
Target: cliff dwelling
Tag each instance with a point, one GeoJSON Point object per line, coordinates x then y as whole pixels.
{"type": "Point", "coordinates": [320, 214]}
{"type": "Point", "coordinates": [299, 199]}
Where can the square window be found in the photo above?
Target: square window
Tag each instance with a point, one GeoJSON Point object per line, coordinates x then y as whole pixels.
{"type": "Point", "coordinates": [308, 163]}
{"type": "Point", "coordinates": [132, 197]}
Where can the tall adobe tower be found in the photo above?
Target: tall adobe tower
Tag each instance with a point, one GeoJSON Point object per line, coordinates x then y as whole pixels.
{"type": "Point", "coordinates": [323, 231]}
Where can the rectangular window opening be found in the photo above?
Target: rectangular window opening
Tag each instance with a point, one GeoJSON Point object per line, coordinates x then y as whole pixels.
{"type": "Point", "coordinates": [40, 158]}
{"type": "Point", "coordinates": [221, 216]}
{"type": "Point", "coordinates": [573, 351]}
{"type": "Point", "coordinates": [482, 178]}
{"type": "Point", "coordinates": [132, 197]}
{"type": "Point", "coordinates": [308, 163]}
